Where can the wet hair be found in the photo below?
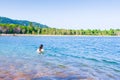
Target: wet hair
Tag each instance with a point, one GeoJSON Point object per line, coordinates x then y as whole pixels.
{"type": "Point", "coordinates": [41, 46]}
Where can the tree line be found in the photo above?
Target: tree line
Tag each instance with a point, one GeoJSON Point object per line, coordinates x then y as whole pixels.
{"type": "Point", "coordinates": [19, 29]}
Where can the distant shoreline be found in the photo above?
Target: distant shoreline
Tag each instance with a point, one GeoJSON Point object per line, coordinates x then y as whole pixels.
{"type": "Point", "coordinates": [57, 35]}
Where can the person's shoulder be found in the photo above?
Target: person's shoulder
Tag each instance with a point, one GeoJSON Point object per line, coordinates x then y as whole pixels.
{"type": "Point", "coordinates": [42, 50]}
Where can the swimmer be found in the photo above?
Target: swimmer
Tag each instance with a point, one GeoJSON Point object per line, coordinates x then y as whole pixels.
{"type": "Point", "coordinates": [40, 50]}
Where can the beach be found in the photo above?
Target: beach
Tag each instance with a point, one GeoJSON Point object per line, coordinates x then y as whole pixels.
{"type": "Point", "coordinates": [57, 35]}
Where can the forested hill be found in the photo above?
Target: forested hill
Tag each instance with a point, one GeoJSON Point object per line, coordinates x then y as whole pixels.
{"type": "Point", "coordinates": [10, 26]}
{"type": "Point", "coordinates": [5, 20]}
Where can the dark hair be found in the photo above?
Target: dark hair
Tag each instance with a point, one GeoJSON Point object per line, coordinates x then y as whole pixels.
{"type": "Point", "coordinates": [41, 46]}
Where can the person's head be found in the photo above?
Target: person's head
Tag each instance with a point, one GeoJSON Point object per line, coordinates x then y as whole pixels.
{"type": "Point", "coordinates": [41, 46]}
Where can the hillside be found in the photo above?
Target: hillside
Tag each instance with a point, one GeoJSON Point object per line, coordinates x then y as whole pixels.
{"type": "Point", "coordinates": [10, 26]}
{"type": "Point", "coordinates": [5, 20]}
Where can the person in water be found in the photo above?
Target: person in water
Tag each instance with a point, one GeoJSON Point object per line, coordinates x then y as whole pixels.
{"type": "Point", "coordinates": [41, 48]}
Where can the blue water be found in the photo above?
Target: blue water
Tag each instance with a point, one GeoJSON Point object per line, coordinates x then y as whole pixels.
{"type": "Point", "coordinates": [65, 58]}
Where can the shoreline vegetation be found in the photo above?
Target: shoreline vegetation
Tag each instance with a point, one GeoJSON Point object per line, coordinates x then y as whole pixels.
{"type": "Point", "coordinates": [20, 30]}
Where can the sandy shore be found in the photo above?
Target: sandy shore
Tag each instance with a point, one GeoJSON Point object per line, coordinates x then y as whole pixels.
{"type": "Point", "coordinates": [58, 35]}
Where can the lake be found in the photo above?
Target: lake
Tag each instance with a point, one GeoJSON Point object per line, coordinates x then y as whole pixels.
{"type": "Point", "coordinates": [64, 58]}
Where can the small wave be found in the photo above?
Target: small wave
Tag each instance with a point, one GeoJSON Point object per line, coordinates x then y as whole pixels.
{"type": "Point", "coordinates": [68, 55]}
{"type": "Point", "coordinates": [110, 62]}
{"type": "Point", "coordinates": [116, 70]}
{"type": "Point", "coordinates": [92, 59]}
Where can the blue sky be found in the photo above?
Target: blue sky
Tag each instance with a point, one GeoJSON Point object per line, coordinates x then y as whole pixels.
{"type": "Point", "coordinates": [70, 14]}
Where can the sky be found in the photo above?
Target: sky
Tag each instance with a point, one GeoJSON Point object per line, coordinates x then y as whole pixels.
{"type": "Point", "coordinates": [67, 14]}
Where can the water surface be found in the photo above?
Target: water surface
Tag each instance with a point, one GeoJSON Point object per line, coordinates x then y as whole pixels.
{"type": "Point", "coordinates": [65, 58]}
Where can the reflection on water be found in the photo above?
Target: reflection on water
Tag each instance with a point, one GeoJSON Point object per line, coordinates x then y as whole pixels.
{"type": "Point", "coordinates": [65, 58]}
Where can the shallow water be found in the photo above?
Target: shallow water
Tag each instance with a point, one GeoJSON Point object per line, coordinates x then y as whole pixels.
{"type": "Point", "coordinates": [65, 58]}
